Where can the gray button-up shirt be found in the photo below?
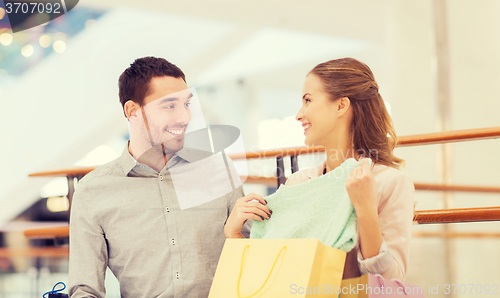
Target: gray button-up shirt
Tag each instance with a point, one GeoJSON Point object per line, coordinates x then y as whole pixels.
{"type": "Point", "coordinates": [126, 216]}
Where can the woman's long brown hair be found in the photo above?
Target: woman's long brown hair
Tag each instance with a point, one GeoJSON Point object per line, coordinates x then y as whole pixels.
{"type": "Point", "coordinates": [371, 123]}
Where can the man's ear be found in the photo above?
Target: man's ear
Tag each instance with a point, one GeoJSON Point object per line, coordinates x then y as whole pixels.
{"type": "Point", "coordinates": [343, 105]}
{"type": "Point", "coordinates": [130, 108]}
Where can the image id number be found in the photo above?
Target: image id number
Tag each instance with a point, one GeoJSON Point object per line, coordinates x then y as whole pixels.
{"type": "Point", "coordinates": [471, 289]}
{"type": "Point", "coordinates": [31, 8]}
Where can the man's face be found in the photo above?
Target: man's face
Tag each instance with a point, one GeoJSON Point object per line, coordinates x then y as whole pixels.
{"type": "Point", "coordinates": [166, 113]}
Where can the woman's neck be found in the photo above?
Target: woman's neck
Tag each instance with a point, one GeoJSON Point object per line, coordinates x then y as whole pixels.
{"type": "Point", "coordinates": [335, 156]}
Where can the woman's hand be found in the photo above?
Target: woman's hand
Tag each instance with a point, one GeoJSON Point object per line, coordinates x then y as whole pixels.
{"type": "Point", "coordinates": [362, 189]}
{"type": "Point", "coordinates": [244, 210]}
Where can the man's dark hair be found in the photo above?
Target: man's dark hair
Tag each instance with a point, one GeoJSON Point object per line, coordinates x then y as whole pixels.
{"type": "Point", "coordinates": [134, 82]}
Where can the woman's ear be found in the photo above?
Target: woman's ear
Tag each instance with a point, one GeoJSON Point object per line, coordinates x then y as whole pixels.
{"type": "Point", "coordinates": [343, 105]}
{"type": "Point", "coordinates": [131, 108]}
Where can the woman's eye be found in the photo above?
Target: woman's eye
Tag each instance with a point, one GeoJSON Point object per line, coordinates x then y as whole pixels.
{"type": "Point", "coordinates": [307, 100]}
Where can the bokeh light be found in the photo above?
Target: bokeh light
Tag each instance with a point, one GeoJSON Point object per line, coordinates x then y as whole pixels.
{"type": "Point", "coordinates": [6, 39]}
{"type": "Point", "coordinates": [45, 41]}
{"type": "Point", "coordinates": [89, 23]}
{"type": "Point", "coordinates": [58, 204]}
{"type": "Point", "coordinates": [59, 46]}
{"type": "Point", "coordinates": [27, 50]}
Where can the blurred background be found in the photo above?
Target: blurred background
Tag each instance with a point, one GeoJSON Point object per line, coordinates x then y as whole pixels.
{"type": "Point", "coordinates": [437, 64]}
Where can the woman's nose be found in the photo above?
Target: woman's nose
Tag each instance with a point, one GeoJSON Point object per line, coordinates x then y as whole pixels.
{"type": "Point", "coordinates": [299, 115]}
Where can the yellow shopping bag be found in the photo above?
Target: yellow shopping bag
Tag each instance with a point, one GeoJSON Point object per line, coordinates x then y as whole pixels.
{"type": "Point", "coordinates": [275, 268]}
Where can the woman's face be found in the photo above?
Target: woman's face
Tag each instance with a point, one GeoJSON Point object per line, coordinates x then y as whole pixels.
{"type": "Point", "coordinates": [318, 114]}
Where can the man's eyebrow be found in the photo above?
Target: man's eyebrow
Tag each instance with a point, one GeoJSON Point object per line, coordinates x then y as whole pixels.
{"type": "Point", "coordinates": [170, 99]}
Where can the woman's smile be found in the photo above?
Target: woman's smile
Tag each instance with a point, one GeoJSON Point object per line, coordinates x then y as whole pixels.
{"type": "Point", "coordinates": [306, 127]}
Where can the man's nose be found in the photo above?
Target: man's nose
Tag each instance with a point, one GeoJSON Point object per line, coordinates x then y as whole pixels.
{"type": "Point", "coordinates": [183, 116]}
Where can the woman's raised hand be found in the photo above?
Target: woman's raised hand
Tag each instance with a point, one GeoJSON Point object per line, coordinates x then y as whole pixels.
{"type": "Point", "coordinates": [362, 189]}
{"type": "Point", "coordinates": [251, 206]}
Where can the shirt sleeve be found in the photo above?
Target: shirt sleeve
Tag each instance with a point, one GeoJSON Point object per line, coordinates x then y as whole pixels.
{"type": "Point", "coordinates": [376, 264]}
{"type": "Point", "coordinates": [88, 256]}
{"type": "Point", "coordinates": [396, 219]}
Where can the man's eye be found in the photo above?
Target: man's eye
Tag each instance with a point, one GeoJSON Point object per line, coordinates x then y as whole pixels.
{"type": "Point", "coordinates": [169, 107]}
{"type": "Point", "coordinates": [188, 104]}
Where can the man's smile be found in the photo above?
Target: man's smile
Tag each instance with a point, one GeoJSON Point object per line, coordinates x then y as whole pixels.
{"type": "Point", "coordinates": [177, 132]}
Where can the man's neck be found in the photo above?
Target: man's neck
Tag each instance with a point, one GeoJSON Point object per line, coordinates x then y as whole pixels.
{"type": "Point", "coordinates": [152, 158]}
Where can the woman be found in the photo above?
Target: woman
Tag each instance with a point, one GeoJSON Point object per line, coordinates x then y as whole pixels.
{"type": "Point", "coordinates": [343, 111]}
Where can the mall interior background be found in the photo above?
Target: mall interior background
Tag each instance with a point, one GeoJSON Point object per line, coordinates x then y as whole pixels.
{"type": "Point", "coordinates": [247, 61]}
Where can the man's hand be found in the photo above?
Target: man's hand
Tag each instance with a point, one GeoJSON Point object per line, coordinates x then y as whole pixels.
{"type": "Point", "coordinates": [244, 210]}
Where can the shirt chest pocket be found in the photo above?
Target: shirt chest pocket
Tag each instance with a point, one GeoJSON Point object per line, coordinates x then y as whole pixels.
{"type": "Point", "coordinates": [207, 219]}
{"type": "Point", "coordinates": [133, 226]}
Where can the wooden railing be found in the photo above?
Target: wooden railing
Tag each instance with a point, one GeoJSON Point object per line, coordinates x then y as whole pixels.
{"type": "Point", "coordinates": [63, 232]}
{"type": "Point", "coordinates": [403, 141]}
{"type": "Point", "coordinates": [34, 252]}
{"type": "Point", "coordinates": [52, 232]}
{"type": "Point", "coordinates": [422, 234]}
{"type": "Point", "coordinates": [271, 182]}
{"type": "Point", "coordinates": [457, 215]}
{"type": "Point", "coordinates": [421, 217]}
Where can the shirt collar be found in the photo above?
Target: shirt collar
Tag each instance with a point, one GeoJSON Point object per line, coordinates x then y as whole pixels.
{"type": "Point", "coordinates": [129, 162]}
{"type": "Point", "coordinates": [186, 154]}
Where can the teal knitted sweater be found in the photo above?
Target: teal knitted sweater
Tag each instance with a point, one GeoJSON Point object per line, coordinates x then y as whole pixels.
{"type": "Point", "coordinates": [319, 208]}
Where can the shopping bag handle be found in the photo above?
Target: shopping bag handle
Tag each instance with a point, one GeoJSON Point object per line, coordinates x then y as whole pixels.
{"type": "Point", "coordinates": [267, 278]}
{"type": "Point", "coordinates": [381, 281]}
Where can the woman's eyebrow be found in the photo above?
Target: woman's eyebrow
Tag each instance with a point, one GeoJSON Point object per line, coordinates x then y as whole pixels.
{"type": "Point", "coordinates": [304, 96]}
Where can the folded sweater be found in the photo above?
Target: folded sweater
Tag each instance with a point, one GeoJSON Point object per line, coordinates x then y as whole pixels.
{"type": "Point", "coordinates": [319, 208]}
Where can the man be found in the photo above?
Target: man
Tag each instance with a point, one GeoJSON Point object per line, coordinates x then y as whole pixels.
{"type": "Point", "coordinates": [126, 215]}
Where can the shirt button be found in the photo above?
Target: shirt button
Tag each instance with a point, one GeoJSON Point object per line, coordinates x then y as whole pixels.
{"type": "Point", "coordinates": [177, 275]}
{"type": "Point", "coordinates": [173, 242]}
{"type": "Point", "coordinates": [168, 209]}
{"type": "Point", "coordinates": [161, 178]}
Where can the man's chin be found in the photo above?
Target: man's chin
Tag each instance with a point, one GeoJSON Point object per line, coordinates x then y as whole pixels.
{"type": "Point", "coordinates": [172, 146]}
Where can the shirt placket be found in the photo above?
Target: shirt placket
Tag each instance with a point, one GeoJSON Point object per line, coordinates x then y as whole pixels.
{"type": "Point", "coordinates": [169, 198]}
